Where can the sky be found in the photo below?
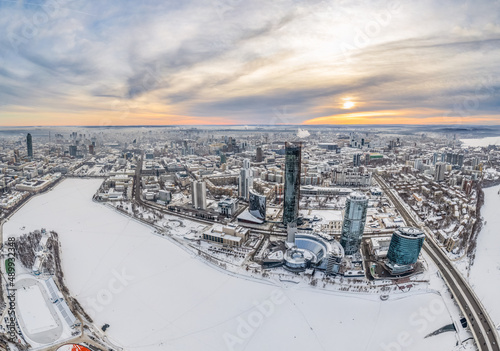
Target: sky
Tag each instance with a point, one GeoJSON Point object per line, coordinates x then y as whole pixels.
{"type": "Point", "coordinates": [129, 62]}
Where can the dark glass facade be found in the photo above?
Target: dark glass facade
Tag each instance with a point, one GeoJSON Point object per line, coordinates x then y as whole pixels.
{"type": "Point", "coordinates": [257, 205]}
{"type": "Point", "coordinates": [354, 222]}
{"type": "Point", "coordinates": [405, 246]}
{"type": "Point", "coordinates": [293, 155]}
{"type": "Point", "coordinates": [29, 144]}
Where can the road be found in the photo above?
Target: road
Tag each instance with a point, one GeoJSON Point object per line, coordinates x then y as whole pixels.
{"type": "Point", "coordinates": [482, 327]}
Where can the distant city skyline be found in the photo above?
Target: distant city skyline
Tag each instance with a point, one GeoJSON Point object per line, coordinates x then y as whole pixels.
{"type": "Point", "coordinates": [231, 62]}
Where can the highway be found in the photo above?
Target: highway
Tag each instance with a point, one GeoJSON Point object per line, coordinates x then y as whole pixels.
{"type": "Point", "coordinates": [482, 327]}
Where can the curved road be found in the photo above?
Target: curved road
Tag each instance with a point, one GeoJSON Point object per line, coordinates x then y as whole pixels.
{"type": "Point", "coordinates": [482, 327]}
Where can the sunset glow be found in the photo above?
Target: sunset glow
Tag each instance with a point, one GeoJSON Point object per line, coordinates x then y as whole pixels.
{"type": "Point", "coordinates": [95, 63]}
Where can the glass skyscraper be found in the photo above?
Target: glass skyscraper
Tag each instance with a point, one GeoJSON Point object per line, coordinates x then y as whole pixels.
{"type": "Point", "coordinates": [245, 181]}
{"type": "Point", "coordinates": [29, 144]}
{"type": "Point", "coordinates": [405, 247]}
{"type": "Point", "coordinates": [293, 155]}
{"type": "Point", "coordinates": [354, 222]}
{"type": "Point", "coordinates": [257, 205]}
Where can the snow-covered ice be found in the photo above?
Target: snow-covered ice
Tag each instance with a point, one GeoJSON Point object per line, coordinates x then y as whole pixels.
{"type": "Point", "coordinates": [157, 296]}
{"type": "Point", "coordinates": [481, 141]}
{"type": "Point", "coordinates": [485, 272]}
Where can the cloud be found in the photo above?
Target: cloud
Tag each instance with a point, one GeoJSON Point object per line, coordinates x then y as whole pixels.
{"type": "Point", "coordinates": [233, 61]}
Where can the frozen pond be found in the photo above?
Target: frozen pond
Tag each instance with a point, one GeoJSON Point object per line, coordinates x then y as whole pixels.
{"type": "Point", "coordinates": [156, 296]}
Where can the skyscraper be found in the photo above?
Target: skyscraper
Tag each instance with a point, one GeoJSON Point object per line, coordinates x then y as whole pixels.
{"type": "Point", "coordinates": [356, 160]}
{"type": "Point", "coordinates": [245, 182]}
{"type": "Point", "coordinates": [259, 155]}
{"type": "Point", "coordinates": [404, 249]}
{"type": "Point", "coordinates": [29, 143]}
{"type": "Point", "coordinates": [72, 150]}
{"type": "Point", "coordinates": [439, 174]}
{"type": "Point", "coordinates": [199, 194]}
{"type": "Point", "coordinates": [293, 154]}
{"type": "Point", "coordinates": [257, 205]}
{"type": "Point", "coordinates": [354, 222]}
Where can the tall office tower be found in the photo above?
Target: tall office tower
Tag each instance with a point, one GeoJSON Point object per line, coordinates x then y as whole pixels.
{"type": "Point", "coordinates": [72, 150]}
{"type": "Point", "coordinates": [404, 249]}
{"type": "Point", "coordinates": [439, 173]}
{"type": "Point", "coordinates": [293, 154]}
{"type": "Point", "coordinates": [29, 143]}
{"type": "Point", "coordinates": [354, 222]}
{"type": "Point", "coordinates": [257, 205]}
{"type": "Point", "coordinates": [259, 156]}
{"type": "Point", "coordinates": [91, 149]}
{"type": "Point", "coordinates": [418, 164]}
{"type": "Point", "coordinates": [356, 160]}
{"type": "Point", "coordinates": [435, 158]}
{"type": "Point", "coordinates": [367, 158]}
{"type": "Point", "coordinates": [199, 194]}
{"type": "Point", "coordinates": [245, 182]}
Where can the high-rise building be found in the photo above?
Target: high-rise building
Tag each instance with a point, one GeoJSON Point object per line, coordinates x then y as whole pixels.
{"type": "Point", "coordinates": [259, 155]}
{"type": "Point", "coordinates": [72, 150]}
{"type": "Point", "coordinates": [257, 205]}
{"type": "Point", "coordinates": [91, 149]}
{"type": "Point", "coordinates": [404, 249]}
{"type": "Point", "coordinates": [245, 182]}
{"type": "Point", "coordinates": [439, 173]}
{"type": "Point", "coordinates": [455, 159]}
{"type": "Point", "coordinates": [293, 155]}
{"type": "Point", "coordinates": [356, 160]}
{"type": "Point", "coordinates": [436, 158]}
{"type": "Point", "coordinates": [17, 157]}
{"type": "Point", "coordinates": [199, 194]}
{"type": "Point", "coordinates": [354, 222]}
{"type": "Point", "coordinates": [475, 162]}
{"type": "Point", "coordinates": [29, 144]}
{"type": "Point", "coordinates": [418, 164]}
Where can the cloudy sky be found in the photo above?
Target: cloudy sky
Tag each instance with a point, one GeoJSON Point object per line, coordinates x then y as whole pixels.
{"type": "Point", "coordinates": [130, 62]}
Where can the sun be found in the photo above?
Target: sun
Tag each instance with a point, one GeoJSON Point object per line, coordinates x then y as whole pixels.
{"type": "Point", "coordinates": [348, 104]}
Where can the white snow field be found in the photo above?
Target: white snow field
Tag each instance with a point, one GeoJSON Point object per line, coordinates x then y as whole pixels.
{"type": "Point", "coordinates": [156, 296]}
{"type": "Point", "coordinates": [34, 311]}
{"type": "Point", "coordinates": [485, 272]}
{"type": "Point", "coordinates": [481, 141]}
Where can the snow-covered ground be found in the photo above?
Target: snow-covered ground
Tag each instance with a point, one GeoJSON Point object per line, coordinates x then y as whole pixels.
{"type": "Point", "coordinates": [485, 272]}
{"type": "Point", "coordinates": [34, 312]}
{"type": "Point", "coordinates": [157, 296]}
{"type": "Point", "coordinates": [481, 141]}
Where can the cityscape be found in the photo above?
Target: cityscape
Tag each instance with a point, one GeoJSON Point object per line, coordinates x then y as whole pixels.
{"type": "Point", "coordinates": [382, 214]}
{"type": "Point", "coordinates": [247, 175]}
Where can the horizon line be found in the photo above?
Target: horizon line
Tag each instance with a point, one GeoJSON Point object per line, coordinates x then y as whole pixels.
{"type": "Point", "coordinates": [254, 125]}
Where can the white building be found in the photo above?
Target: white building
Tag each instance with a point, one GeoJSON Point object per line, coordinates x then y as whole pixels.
{"type": "Point", "coordinates": [245, 180]}
{"type": "Point", "coordinates": [199, 194]}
